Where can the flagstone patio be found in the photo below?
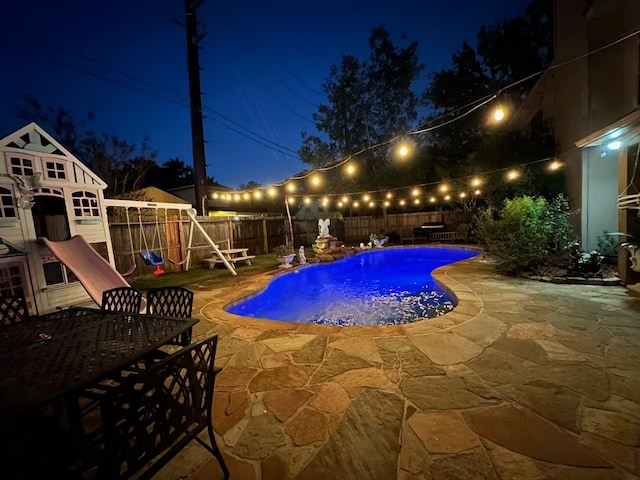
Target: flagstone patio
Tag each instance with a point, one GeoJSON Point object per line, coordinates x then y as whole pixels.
{"type": "Point", "coordinates": [523, 380]}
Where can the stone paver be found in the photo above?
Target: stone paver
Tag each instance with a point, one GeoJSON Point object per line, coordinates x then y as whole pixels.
{"type": "Point", "coordinates": [526, 381]}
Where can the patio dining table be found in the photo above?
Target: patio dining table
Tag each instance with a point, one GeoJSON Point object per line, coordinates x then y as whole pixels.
{"type": "Point", "coordinates": [51, 356]}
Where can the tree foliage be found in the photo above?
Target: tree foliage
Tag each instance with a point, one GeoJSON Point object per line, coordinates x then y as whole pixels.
{"type": "Point", "coordinates": [369, 102]}
{"type": "Point", "coordinates": [525, 233]}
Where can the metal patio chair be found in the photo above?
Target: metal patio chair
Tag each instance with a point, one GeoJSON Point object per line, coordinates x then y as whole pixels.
{"type": "Point", "coordinates": [13, 309]}
{"type": "Point", "coordinates": [154, 413]}
{"type": "Point", "coordinates": [171, 302]}
{"type": "Point", "coordinates": [122, 299]}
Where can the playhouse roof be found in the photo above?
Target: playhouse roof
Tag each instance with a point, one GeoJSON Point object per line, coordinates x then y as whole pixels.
{"type": "Point", "coordinates": [33, 138]}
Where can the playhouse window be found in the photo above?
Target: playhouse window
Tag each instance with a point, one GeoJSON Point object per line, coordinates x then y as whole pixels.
{"type": "Point", "coordinates": [11, 281]}
{"type": "Point", "coordinates": [55, 170]}
{"type": "Point", "coordinates": [85, 204]}
{"type": "Point", "coordinates": [7, 207]}
{"type": "Point", "coordinates": [21, 166]}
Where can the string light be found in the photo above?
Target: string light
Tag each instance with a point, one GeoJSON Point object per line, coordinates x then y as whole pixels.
{"type": "Point", "coordinates": [215, 195]}
{"type": "Point", "coordinates": [350, 169]}
{"type": "Point", "coordinates": [447, 197]}
{"type": "Point", "coordinates": [307, 200]}
{"type": "Point", "coordinates": [345, 199]}
{"type": "Point", "coordinates": [402, 203]}
{"type": "Point", "coordinates": [389, 195]}
{"type": "Point", "coordinates": [476, 182]}
{"type": "Point", "coordinates": [555, 165]}
{"type": "Point", "coordinates": [246, 196]}
{"type": "Point", "coordinates": [291, 187]}
{"type": "Point", "coordinates": [512, 175]}
{"type": "Point", "coordinates": [291, 200]}
{"type": "Point", "coordinates": [444, 187]}
{"type": "Point", "coordinates": [477, 192]}
{"type": "Point", "coordinates": [257, 194]}
{"type": "Point", "coordinates": [462, 194]}
{"type": "Point", "coordinates": [386, 203]}
{"type": "Point", "coordinates": [366, 197]}
{"type": "Point", "coordinates": [315, 180]}
{"type": "Point", "coordinates": [498, 114]}
{"type": "Point", "coordinates": [432, 199]}
{"type": "Point", "coordinates": [356, 204]}
{"type": "Point", "coordinates": [272, 192]}
{"type": "Point", "coordinates": [372, 204]}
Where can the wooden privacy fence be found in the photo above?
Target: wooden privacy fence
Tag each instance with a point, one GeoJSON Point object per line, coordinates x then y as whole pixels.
{"type": "Point", "coordinates": [169, 236]}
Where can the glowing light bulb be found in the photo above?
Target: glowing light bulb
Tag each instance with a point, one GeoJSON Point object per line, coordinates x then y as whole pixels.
{"type": "Point", "coordinates": [366, 197]}
{"type": "Point", "coordinates": [345, 199]}
{"type": "Point", "coordinates": [386, 203]}
{"type": "Point", "coordinates": [215, 195]}
{"type": "Point", "coordinates": [307, 200]}
{"type": "Point", "coordinates": [402, 203]}
{"type": "Point", "coordinates": [291, 200]}
{"type": "Point", "coordinates": [403, 150]}
{"type": "Point", "coordinates": [325, 201]}
{"type": "Point", "coordinates": [463, 194]}
{"type": "Point", "coordinates": [417, 201]}
{"type": "Point", "coordinates": [246, 196]}
{"type": "Point", "coordinates": [372, 204]}
{"type": "Point", "coordinates": [444, 187]}
{"type": "Point", "coordinates": [257, 194]}
{"type": "Point", "coordinates": [477, 192]}
{"type": "Point", "coordinates": [555, 165]}
{"type": "Point", "coordinates": [291, 187]}
{"type": "Point", "coordinates": [389, 195]}
{"type": "Point", "coordinates": [339, 204]}
{"type": "Point", "coordinates": [356, 204]}
{"type": "Point", "coordinates": [315, 180]}
{"type": "Point", "coordinates": [498, 114]}
{"type": "Point", "coordinates": [615, 145]}
{"type": "Point", "coordinates": [272, 192]}
{"type": "Point", "coordinates": [350, 169]}
{"type": "Point", "coordinates": [236, 197]}
{"type": "Point", "coordinates": [512, 175]}
{"type": "Point", "coordinates": [447, 197]}
{"type": "Point", "coordinates": [476, 182]}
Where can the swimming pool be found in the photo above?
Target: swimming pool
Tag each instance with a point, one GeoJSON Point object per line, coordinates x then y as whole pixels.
{"type": "Point", "coordinates": [377, 287]}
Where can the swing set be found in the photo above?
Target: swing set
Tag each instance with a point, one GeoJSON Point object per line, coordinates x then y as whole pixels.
{"type": "Point", "coordinates": [153, 257]}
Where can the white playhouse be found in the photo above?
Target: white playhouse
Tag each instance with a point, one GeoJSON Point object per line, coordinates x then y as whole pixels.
{"type": "Point", "coordinates": [45, 192]}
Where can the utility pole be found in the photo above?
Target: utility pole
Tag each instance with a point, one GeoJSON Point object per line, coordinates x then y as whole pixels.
{"type": "Point", "coordinates": [195, 101]}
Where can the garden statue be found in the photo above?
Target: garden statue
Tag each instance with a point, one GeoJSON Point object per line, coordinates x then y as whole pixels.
{"type": "Point", "coordinates": [323, 227]}
{"type": "Point", "coordinates": [301, 257]}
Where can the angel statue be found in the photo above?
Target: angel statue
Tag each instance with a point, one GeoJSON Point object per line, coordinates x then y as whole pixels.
{"type": "Point", "coordinates": [323, 227]}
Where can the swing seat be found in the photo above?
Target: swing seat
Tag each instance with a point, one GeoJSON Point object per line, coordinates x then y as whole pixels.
{"type": "Point", "coordinates": [151, 258]}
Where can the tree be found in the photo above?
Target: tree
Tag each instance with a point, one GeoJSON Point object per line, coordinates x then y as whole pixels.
{"type": "Point", "coordinates": [368, 102]}
{"type": "Point", "coordinates": [250, 185]}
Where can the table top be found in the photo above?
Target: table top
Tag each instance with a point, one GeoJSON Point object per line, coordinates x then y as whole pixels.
{"type": "Point", "coordinates": [48, 356]}
{"type": "Point", "coordinates": [235, 250]}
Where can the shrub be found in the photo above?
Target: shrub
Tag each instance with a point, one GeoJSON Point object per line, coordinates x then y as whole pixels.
{"type": "Point", "coordinates": [525, 233]}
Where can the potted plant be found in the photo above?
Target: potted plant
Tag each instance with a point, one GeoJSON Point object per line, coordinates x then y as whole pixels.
{"type": "Point", "coordinates": [285, 255]}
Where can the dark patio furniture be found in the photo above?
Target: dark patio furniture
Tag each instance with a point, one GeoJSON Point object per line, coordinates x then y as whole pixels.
{"type": "Point", "coordinates": [58, 357]}
{"type": "Point", "coordinates": [52, 355]}
{"type": "Point", "coordinates": [150, 415]}
{"type": "Point", "coordinates": [13, 310]}
{"type": "Point", "coordinates": [122, 299]}
{"type": "Point", "coordinates": [426, 229]}
{"type": "Point", "coordinates": [171, 302]}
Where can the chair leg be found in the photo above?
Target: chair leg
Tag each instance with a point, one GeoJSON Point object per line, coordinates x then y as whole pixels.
{"type": "Point", "coordinates": [214, 450]}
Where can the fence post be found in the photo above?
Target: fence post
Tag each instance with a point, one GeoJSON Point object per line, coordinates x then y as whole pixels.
{"type": "Point", "coordinates": [230, 233]}
{"type": "Point", "coordinates": [265, 240]}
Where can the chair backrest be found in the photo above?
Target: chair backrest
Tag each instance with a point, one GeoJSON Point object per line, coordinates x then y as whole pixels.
{"type": "Point", "coordinates": [163, 407]}
{"type": "Point", "coordinates": [122, 299]}
{"type": "Point", "coordinates": [170, 302]}
{"type": "Point", "coordinates": [13, 310]}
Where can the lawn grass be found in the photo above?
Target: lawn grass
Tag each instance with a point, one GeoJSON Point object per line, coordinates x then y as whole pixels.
{"type": "Point", "coordinates": [202, 273]}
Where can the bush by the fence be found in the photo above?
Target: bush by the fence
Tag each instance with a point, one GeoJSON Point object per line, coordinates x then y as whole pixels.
{"type": "Point", "coordinates": [526, 233]}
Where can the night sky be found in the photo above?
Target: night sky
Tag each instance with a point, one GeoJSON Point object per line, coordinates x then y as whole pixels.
{"type": "Point", "coordinates": [263, 66]}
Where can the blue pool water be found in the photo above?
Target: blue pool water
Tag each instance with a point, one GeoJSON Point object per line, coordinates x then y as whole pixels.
{"type": "Point", "coordinates": [378, 287]}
